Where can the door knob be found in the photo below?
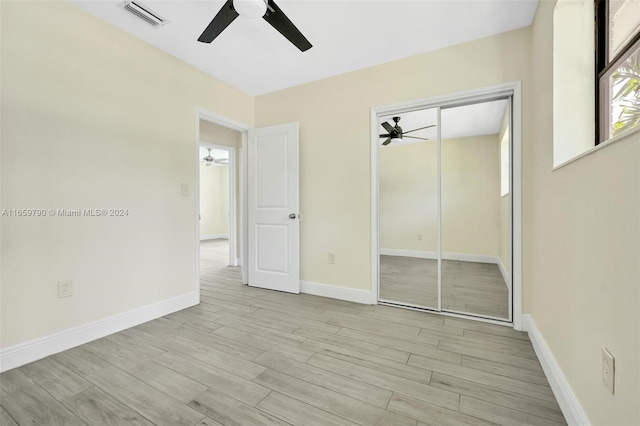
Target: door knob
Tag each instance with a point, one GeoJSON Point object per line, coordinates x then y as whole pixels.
{"type": "Point", "coordinates": [292, 216]}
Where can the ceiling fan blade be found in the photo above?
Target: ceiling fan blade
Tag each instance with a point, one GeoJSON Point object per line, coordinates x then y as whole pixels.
{"type": "Point", "coordinates": [386, 135]}
{"type": "Point", "coordinates": [278, 20]}
{"type": "Point", "coordinates": [414, 130]}
{"type": "Point", "coordinates": [388, 127]}
{"type": "Point", "coordinates": [387, 142]}
{"type": "Point", "coordinates": [415, 137]}
{"type": "Point", "coordinates": [225, 16]}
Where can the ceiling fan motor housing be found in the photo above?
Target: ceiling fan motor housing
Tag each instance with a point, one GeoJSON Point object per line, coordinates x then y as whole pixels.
{"type": "Point", "coordinates": [252, 9]}
{"type": "Point", "coordinates": [398, 134]}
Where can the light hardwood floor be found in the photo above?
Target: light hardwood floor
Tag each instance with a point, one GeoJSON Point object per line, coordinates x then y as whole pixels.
{"type": "Point", "coordinates": [467, 287]}
{"type": "Point", "coordinates": [247, 356]}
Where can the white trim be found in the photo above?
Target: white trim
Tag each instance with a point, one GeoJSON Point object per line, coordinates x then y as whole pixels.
{"type": "Point", "coordinates": [214, 237]}
{"type": "Point", "coordinates": [221, 120]}
{"type": "Point", "coordinates": [375, 208]}
{"type": "Point", "coordinates": [463, 257]}
{"type": "Point", "coordinates": [447, 100]}
{"type": "Point", "coordinates": [439, 178]}
{"type": "Point", "coordinates": [488, 320]}
{"type": "Point", "coordinates": [571, 408]}
{"type": "Point", "coordinates": [244, 218]}
{"type": "Point", "coordinates": [409, 253]}
{"type": "Point", "coordinates": [504, 272]}
{"type": "Point", "coordinates": [516, 205]}
{"type": "Point", "coordinates": [336, 292]}
{"type": "Point", "coordinates": [505, 89]}
{"type": "Point", "coordinates": [33, 350]}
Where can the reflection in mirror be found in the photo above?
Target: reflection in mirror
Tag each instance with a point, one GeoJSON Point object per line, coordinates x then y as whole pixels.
{"type": "Point", "coordinates": [408, 209]}
{"type": "Point", "coordinates": [476, 209]}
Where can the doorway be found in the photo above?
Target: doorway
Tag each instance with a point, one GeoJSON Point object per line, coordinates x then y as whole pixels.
{"type": "Point", "coordinates": [220, 252]}
{"type": "Point", "coordinates": [445, 215]}
{"type": "Point", "coordinates": [217, 191]}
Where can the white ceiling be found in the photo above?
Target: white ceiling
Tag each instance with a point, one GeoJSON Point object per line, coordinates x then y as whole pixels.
{"type": "Point", "coordinates": [346, 35]}
{"type": "Point", "coordinates": [458, 122]}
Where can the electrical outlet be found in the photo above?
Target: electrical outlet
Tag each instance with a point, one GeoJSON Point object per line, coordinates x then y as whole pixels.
{"type": "Point", "coordinates": [184, 189]}
{"type": "Point", "coordinates": [65, 288]}
{"type": "Point", "coordinates": [332, 258]}
{"type": "Point", "coordinates": [608, 369]}
{"type": "Point", "coordinates": [419, 237]}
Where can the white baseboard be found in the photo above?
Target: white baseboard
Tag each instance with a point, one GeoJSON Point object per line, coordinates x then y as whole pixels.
{"type": "Point", "coordinates": [33, 350]}
{"type": "Point", "coordinates": [446, 256]}
{"type": "Point", "coordinates": [571, 409]}
{"type": "Point", "coordinates": [505, 275]}
{"type": "Point", "coordinates": [452, 256]}
{"type": "Point", "coordinates": [213, 236]}
{"type": "Point", "coordinates": [409, 253]}
{"type": "Point", "coordinates": [336, 292]}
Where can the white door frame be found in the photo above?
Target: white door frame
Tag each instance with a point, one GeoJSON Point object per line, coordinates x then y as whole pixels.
{"type": "Point", "coordinates": [215, 118]}
{"type": "Point", "coordinates": [233, 259]}
{"type": "Point", "coordinates": [511, 88]}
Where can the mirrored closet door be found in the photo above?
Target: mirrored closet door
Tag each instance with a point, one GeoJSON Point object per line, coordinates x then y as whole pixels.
{"type": "Point", "coordinates": [444, 179]}
{"type": "Point", "coordinates": [408, 199]}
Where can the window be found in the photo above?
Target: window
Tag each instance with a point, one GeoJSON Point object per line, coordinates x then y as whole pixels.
{"type": "Point", "coordinates": [617, 61]}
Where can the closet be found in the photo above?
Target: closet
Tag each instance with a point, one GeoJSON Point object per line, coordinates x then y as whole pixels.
{"type": "Point", "coordinates": [444, 179]}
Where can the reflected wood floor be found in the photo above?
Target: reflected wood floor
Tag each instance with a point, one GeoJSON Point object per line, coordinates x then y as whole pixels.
{"type": "Point", "coordinates": [247, 356]}
{"type": "Point", "coordinates": [467, 287]}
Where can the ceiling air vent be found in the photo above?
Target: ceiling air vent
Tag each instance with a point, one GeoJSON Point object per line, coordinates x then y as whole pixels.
{"type": "Point", "coordinates": [144, 13]}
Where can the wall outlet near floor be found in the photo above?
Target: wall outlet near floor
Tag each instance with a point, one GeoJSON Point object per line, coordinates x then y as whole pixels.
{"type": "Point", "coordinates": [419, 237]}
{"type": "Point", "coordinates": [332, 258]}
{"type": "Point", "coordinates": [65, 288]}
{"type": "Point", "coordinates": [608, 369]}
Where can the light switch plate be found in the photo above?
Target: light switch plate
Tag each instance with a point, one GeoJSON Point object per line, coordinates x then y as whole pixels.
{"type": "Point", "coordinates": [184, 188]}
{"type": "Point", "coordinates": [608, 369]}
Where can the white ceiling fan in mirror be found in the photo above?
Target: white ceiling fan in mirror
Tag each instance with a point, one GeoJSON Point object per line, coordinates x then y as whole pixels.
{"type": "Point", "coordinates": [210, 160]}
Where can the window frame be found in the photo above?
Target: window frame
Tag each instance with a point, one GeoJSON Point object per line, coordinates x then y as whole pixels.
{"type": "Point", "coordinates": [604, 65]}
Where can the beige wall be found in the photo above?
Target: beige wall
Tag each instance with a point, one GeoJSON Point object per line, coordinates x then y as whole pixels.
{"type": "Point", "coordinates": [585, 274]}
{"type": "Point", "coordinates": [470, 196]}
{"type": "Point", "coordinates": [409, 197]}
{"type": "Point", "coordinates": [335, 145]}
{"type": "Point", "coordinates": [94, 118]}
{"type": "Point", "coordinates": [219, 135]}
{"type": "Point", "coordinates": [115, 130]}
{"type": "Point", "coordinates": [214, 200]}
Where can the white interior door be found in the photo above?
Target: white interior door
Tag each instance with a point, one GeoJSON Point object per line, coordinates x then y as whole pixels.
{"type": "Point", "coordinates": [273, 208]}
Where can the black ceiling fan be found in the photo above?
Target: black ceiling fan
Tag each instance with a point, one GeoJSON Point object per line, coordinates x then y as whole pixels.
{"type": "Point", "coordinates": [265, 9]}
{"type": "Point", "coordinates": [396, 132]}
